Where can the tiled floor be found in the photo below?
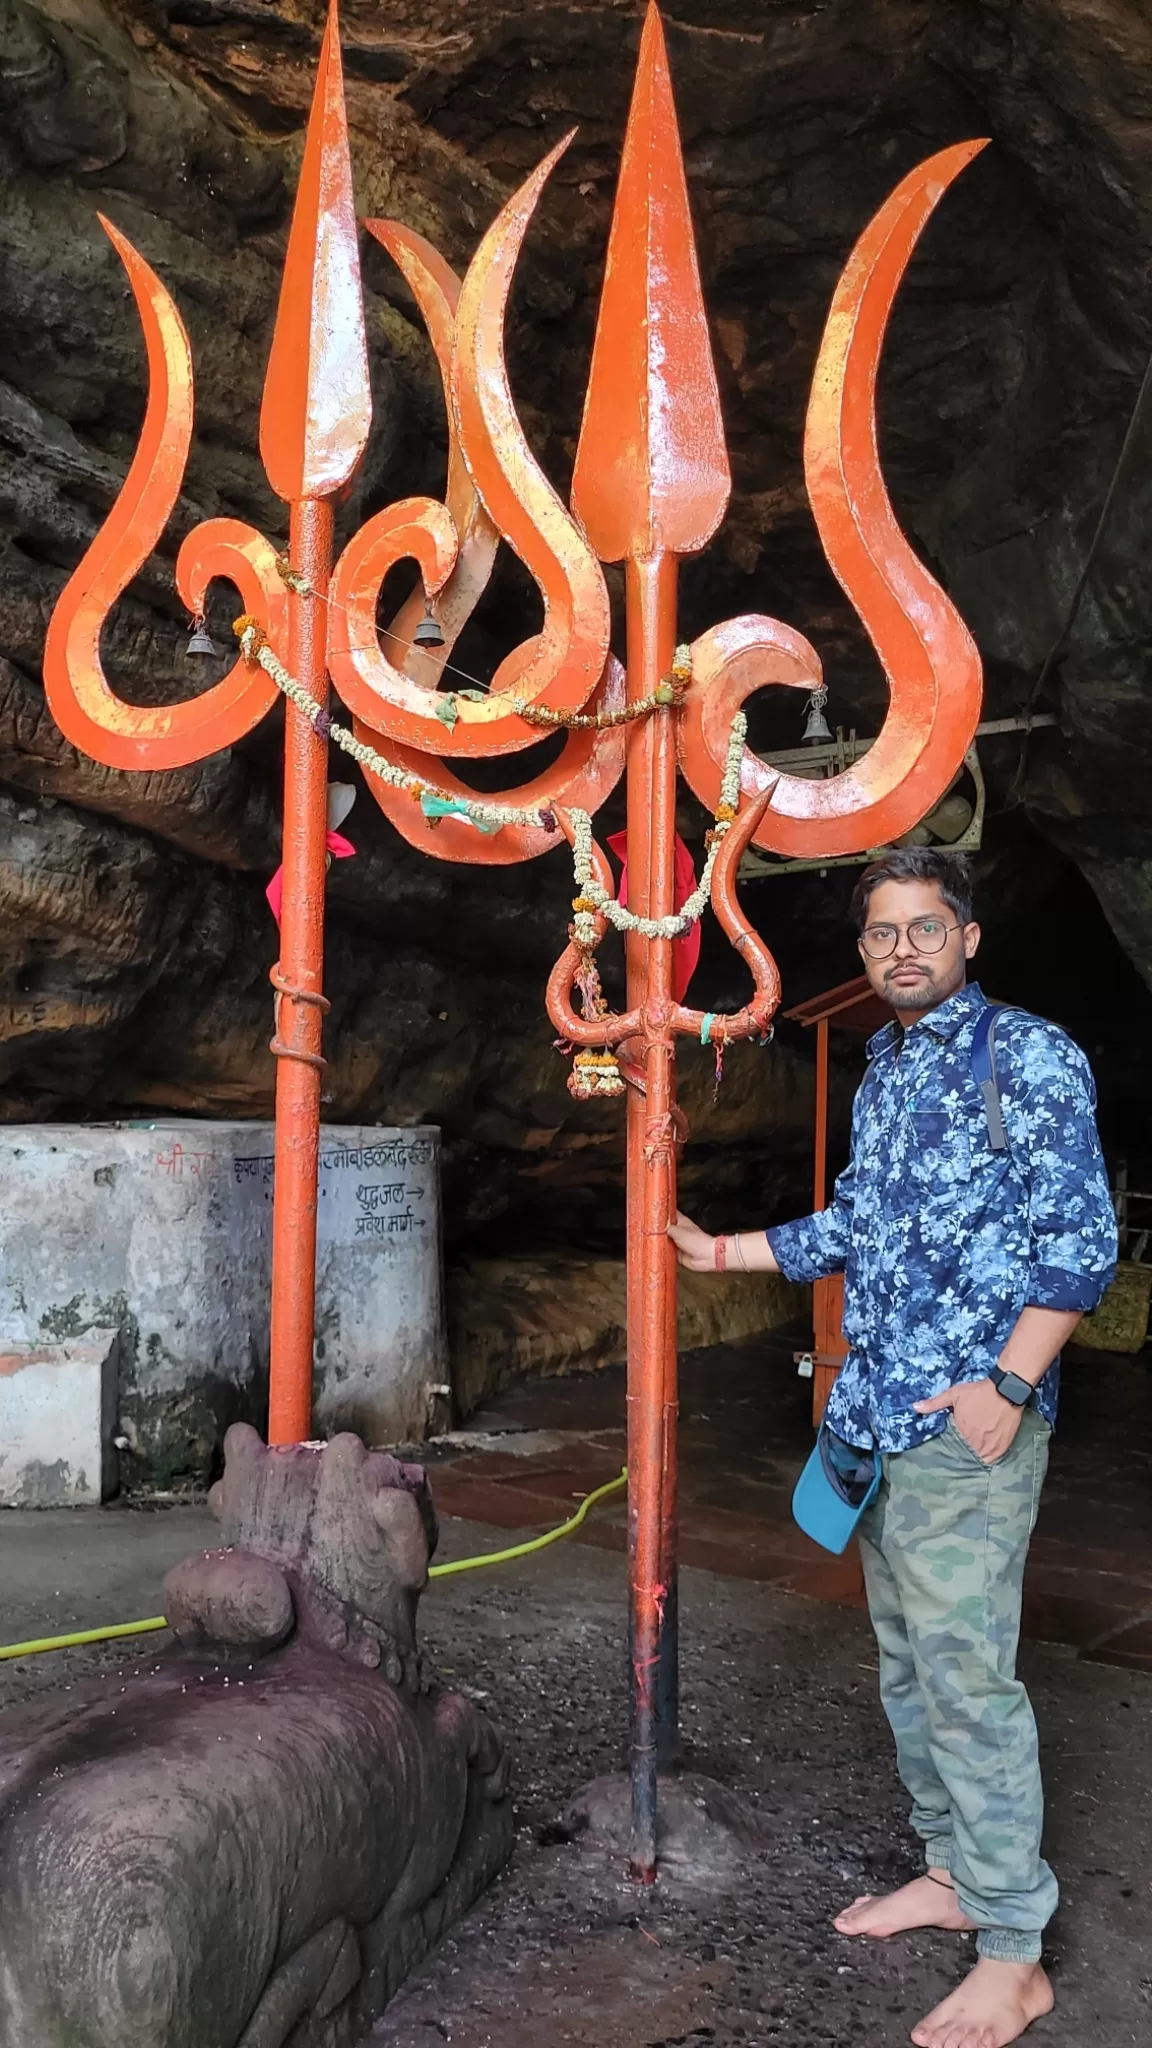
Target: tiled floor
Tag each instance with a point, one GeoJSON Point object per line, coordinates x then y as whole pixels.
{"type": "Point", "coordinates": [529, 1457]}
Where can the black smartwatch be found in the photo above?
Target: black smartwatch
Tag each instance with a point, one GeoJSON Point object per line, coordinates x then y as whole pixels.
{"type": "Point", "coordinates": [1013, 1388]}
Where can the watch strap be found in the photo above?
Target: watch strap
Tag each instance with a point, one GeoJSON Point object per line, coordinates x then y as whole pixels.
{"type": "Point", "coordinates": [1011, 1387]}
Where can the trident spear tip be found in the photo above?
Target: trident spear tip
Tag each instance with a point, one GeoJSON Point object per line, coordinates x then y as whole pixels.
{"type": "Point", "coordinates": [317, 406]}
{"type": "Point", "coordinates": [651, 474]}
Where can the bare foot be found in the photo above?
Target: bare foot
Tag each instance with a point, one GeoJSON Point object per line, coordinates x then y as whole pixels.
{"type": "Point", "coordinates": [993, 2006]}
{"type": "Point", "coordinates": [926, 1902]}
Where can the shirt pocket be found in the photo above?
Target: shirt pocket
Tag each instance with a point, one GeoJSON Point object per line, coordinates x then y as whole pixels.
{"type": "Point", "coordinates": [939, 1151]}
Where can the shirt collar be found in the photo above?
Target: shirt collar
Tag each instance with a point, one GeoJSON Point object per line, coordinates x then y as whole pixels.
{"type": "Point", "coordinates": [943, 1022]}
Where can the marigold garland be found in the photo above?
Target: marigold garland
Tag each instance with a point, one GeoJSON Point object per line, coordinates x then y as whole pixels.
{"type": "Point", "coordinates": [595, 1074]}
{"type": "Point", "coordinates": [669, 693]}
{"type": "Point", "coordinates": [254, 647]}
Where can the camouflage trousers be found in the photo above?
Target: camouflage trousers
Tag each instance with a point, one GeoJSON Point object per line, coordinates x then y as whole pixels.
{"type": "Point", "coordinates": [943, 1547]}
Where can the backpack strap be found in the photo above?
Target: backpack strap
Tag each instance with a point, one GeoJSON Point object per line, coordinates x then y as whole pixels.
{"type": "Point", "coordinates": [985, 1076]}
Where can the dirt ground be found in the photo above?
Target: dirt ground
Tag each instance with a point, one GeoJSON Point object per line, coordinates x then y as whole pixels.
{"type": "Point", "coordinates": [780, 1707]}
{"type": "Point", "coordinates": [779, 1699]}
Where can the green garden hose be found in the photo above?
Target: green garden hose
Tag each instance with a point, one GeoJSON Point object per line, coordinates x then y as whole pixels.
{"type": "Point", "coordinates": [436, 1571]}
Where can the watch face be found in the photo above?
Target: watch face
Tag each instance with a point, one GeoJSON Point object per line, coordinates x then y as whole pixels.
{"type": "Point", "coordinates": [1014, 1389]}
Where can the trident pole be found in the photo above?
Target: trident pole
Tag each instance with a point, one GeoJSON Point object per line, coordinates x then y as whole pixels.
{"type": "Point", "coordinates": [651, 483]}
{"type": "Point", "coordinates": [651, 1206]}
{"type": "Point", "coordinates": [298, 978]}
{"type": "Point", "coordinates": [314, 423]}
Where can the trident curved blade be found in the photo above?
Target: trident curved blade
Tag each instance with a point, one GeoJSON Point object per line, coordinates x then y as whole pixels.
{"type": "Point", "coordinates": [558, 667]}
{"type": "Point", "coordinates": [928, 655]}
{"type": "Point", "coordinates": [317, 405]}
{"type": "Point", "coordinates": [651, 473]}
{"type": "Point", "coordinates": [582, 777]}
{"type": "Point", "coordinates": [83, 702]}
{"type": "Point", "coordinates": [436, 289]}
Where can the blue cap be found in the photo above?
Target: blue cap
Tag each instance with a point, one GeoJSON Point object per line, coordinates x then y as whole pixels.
{"type": "Point", "coordinates": [820, 1507]}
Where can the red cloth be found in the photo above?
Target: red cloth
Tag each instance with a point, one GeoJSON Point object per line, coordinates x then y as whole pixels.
{"type": "Point", "coordinates": [685, 951]}
{"type": "Point", "coordinates": [340, 849]}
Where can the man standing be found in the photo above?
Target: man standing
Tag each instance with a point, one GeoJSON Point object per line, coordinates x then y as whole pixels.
{"type": "Point", "coordinates": [966, 1270]}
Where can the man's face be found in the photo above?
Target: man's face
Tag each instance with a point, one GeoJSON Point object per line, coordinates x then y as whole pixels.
{"type": "Point", "coordinates": [913, 977]}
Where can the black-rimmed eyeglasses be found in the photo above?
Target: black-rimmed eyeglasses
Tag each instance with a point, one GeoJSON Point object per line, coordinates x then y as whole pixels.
{"type": "Point", "coordinates": [925, 935]}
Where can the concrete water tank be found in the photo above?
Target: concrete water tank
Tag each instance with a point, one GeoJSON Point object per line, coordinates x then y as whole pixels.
{"type": "Point", "coordinates": [162, 1231]}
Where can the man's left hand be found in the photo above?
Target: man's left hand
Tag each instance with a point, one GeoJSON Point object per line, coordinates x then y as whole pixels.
{"type": "Point", "coordinates": [986, 1421]}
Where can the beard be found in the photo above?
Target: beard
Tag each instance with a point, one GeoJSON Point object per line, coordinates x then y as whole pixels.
{"type": "Point", "coordinates": [927, 992]}
{"type": "Point", "coordinates": [920, 995]}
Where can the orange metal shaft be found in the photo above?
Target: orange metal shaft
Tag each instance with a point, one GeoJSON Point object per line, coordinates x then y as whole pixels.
{"type": "Point", "coordinates": [820, 1171]}
{"type": "Point", "coordinates": [300, 1003]}
{"type": "Point", "coordinates": [651, 1178]}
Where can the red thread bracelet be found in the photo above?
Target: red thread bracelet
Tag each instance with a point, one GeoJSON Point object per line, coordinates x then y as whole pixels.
{"type": "Point", "coordinates": [721, 1255]}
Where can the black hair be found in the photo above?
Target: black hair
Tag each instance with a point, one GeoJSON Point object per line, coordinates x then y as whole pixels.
{"type": "Point", "coordinates": [950, 872]}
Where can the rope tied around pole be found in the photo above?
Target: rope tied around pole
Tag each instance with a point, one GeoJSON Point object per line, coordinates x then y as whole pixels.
{"type": "Point", "coordinates": [298, 584]}
{"type": "Point", "coordinates": [296, 995]}
{"type": "Point", "coordinates": [662, 1136]}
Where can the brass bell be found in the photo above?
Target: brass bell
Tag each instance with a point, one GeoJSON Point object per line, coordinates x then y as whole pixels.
{"type": "Point", "coordinates": [201, 641]}
{"type": "Point", "coordinates": [428, 632]}
{"type": "Point", "coordinates": [816, 730]}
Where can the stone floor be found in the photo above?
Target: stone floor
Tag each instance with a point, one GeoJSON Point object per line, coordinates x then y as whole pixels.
{"type": "Point", "coordinates": [779, 1709]}
{"type": "Point", "coordinates": [745, 1432]}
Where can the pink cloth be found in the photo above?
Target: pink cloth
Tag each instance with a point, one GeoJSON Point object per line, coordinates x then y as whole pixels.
{"type": "Point", "coordinates": [685, 951]}
{"type": "Point", "coordinates": [340, 849]}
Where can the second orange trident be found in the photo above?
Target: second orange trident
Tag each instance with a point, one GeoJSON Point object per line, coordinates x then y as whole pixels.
{"type": "Point", "coordinates": [651, 485]}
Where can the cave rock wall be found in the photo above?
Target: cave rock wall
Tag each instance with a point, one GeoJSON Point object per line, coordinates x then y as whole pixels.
{"type": "Point", "coordinates": [134, 939]}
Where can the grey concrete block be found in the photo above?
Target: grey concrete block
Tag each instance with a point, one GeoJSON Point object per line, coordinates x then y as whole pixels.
{"type": "Point", "coordinates": [57, 1417]}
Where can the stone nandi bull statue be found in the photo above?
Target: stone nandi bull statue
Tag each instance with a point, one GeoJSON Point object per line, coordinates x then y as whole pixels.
{"type": "Point", "coordinates": [252, 1843]}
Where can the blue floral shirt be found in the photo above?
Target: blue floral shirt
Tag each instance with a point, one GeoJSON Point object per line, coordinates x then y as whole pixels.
{"type": "Point", "coordinates": [942, 1241]}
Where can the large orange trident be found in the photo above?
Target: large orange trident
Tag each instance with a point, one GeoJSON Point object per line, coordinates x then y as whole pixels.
{"type": "Point", "coordinates": [651, 484]}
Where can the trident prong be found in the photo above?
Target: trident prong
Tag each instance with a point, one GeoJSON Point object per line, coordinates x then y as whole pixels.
{"type": "Point", "coordinates": [928, 655]}
{"type": "Point", "coordinates": [317, 406]}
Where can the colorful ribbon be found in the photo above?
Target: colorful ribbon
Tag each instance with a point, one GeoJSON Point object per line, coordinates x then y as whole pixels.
{"type": "Point", "coordinates": [437, 807]}
{"type": "Point", "coordinates": [340, 849]}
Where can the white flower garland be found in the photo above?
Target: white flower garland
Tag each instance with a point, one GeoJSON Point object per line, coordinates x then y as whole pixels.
{"type": "Point", "coordinates": [255, 648]}
{"type": "Point", "coordinates": [591, 897]}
